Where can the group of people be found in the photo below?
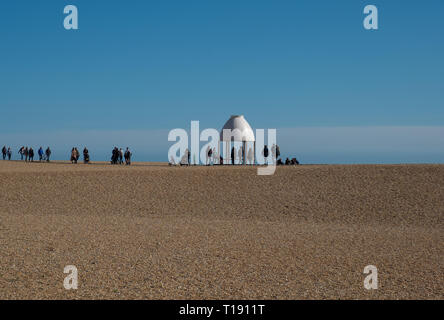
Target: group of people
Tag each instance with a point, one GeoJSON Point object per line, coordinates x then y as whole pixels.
{"type": "Point", "coordinates": [6, 152]}
{"type": "Point", "coordinates": [27, 154]}
{"type": "Point", "coordinates": [118, 155]}
{"type": "Point", "coordinates": [75, 155]}
{"type": "Point", "coordinates": [237, 156]}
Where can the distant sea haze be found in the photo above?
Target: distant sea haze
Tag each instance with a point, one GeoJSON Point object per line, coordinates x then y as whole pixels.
{"type": "Point", "coordinates": [310, 145]}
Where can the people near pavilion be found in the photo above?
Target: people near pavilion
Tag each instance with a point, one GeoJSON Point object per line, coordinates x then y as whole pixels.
{"type": "Point", "coordinates": [239, 155]}
{"type": "Point", "coordinates": [209, 156]}
{"type": "Point", "coordinates": [233, 152]}
{"type": "Point", "coordinates": [265, 153]}
{"type": "Point", "coordinates": [215, 156]}
{"type": "Point", "coordinates": [250, 156]}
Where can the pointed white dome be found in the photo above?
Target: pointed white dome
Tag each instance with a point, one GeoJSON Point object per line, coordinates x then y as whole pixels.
{"type": "Point", "coordinates": [244, 133]}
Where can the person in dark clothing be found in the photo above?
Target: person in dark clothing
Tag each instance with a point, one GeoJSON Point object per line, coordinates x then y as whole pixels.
{"type": "Point", "coordinates": [115, 156]}
{"type": "Point", "coordinates": [4, 152]}
{"type": "Point", "coordinates": [9, 153]}
{"type": "Point", "coordinates": [265, 153]}
{"type": "Point", "coordinates": [48, 154]}
{"type": "Point", "coordinates": [278, 152]}
{"type": "Point", "coordinates": [210, 155]}
{"type": "Point", "coordinates": [85, 155]}
{"type": "Point", "coordinates": [287, 162]}
{"type": "Point", "coordinates": [21, 152]}
{"type": "Point", "coordinates": [127, 157]}
{"type": "Point", "coordinates": [26, 153]}
{"type": "Point", "coordinates": [232, 155]}
{"type": "Point", "coordinates": [31, 154]}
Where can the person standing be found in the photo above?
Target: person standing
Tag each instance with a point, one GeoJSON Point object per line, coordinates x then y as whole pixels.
{"type": "Point", "coordinates": [4, 152]}
{"type": "Point", "coordinates": [239, 154]}
{"type": "Point", "coordinates": [9, 152]}
{"type": "Point", "coordinates": [265, 153]}
{"type": "Point", "coordinates": [21, 151]}
{"type": "Point", "coordinates": [233, 152]}
{"type": "Point", "coordinates": [26, 152]}
{"type": "Point", "coordinates": [40, 152]}
{"type": "Point", "coordinates": [215, 156]}
{"type": "Point", "coordinates": [250, 156]}
{"type": "Point", "coordinates": [31, 154]}
{"type": "Point", "coordinates": [121, 156]}
{"type": "Point", "coordinates": [85, 155]}
{"type": "Point", "coordinates": [48, 154]}
{"type": "Point", "coordinates": [128, 156]}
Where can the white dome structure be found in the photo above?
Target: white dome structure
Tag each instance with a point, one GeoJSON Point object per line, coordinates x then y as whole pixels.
{"type": "Point", "coordinates": [241, 130]}
{"type": "Point", "coordinates": [238, 130]}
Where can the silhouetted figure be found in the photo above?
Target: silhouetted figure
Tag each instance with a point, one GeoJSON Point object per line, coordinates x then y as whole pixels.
{"type": "Point", "coordinates": [265, 153]}
{"type": "Point", "coordinates": [287, 162]}
{"type": "Point", "coordinates": [121, 156]}
{"type": "Point", "coordinates": [9, 153]}
{"type": "Point", "coordinates": [4, 151]}
{"type": "Point", "coordinates": [40, 153]}
{"type": "Point", "coordinates": [31, 154]}
{"type": "Point", "coordinates": [115, 156]}
{"type": "Point", "coordinates": [232, 155]}
{"type": "Point", "coordinates": [127, 157]}
{"type": "Point", "coordinates": [85, 155]}
{"type": "Point", "coordinates": [74, 155]}
{"type": "Point", "coordinates": [48, 154]}
{"type": "Point", "coordinates": [21, 152]}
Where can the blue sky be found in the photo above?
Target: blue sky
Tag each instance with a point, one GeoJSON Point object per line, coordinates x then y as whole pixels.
{"type": "Point", "coordinates": [151, 66]}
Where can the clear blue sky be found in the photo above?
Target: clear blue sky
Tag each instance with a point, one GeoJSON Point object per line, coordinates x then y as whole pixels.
{"type": "Point", "coordinates": [157, 65]}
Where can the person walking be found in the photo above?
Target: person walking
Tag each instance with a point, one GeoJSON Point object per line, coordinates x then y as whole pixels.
{"type": "Point", "coordinates": [26, 152]}
{"type": "Point", "coordinates": [4, 151]}
{"type": "Point", "coordinates": [31, 154]}
{"type": "Point", "coordinates": [40, 152]}
{"type": "Point", "coordinates": [21, 151]}
{"type": "Point", "coordinates": [48, 154]}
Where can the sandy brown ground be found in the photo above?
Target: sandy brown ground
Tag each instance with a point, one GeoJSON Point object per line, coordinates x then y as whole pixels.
{"type": "Point", "coordinates": [156, 232]}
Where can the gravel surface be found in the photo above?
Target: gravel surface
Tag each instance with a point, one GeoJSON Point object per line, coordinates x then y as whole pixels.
{"type": "Point", "coordinates": [151, 231]}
